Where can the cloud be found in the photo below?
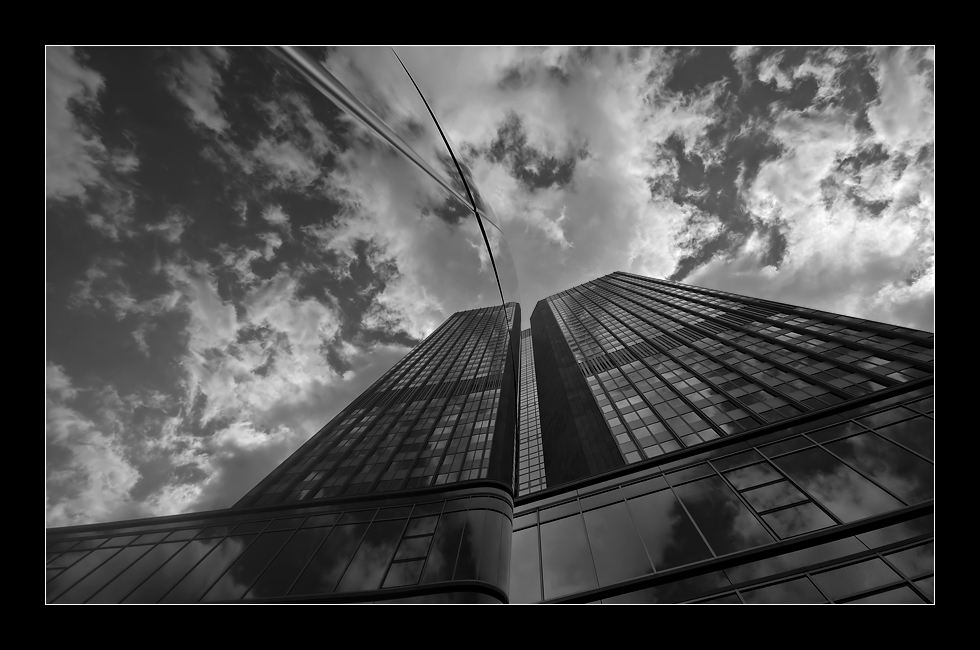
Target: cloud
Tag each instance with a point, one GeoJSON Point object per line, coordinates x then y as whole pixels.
{"type": "Point", "coordinates": [74, 150]}
{"type": "Point", "coordinates": [197, 84]}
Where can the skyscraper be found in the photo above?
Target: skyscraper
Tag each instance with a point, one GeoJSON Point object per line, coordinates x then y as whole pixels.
{"type": "Point", "coordinates": [672, 444]}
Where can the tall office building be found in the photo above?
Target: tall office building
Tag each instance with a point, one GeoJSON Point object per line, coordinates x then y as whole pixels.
{"type": "Point", "coordinates": [672, 444]}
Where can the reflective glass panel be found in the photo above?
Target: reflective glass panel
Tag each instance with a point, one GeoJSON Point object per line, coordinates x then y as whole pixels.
{"type": "Point", "coordinates": [239, 578]}
{"type": "Point", "coordinates": [525, 567]}
{"type": "Point", "coordinates": [195, 583]}
{"type": "Point", "coordinates": [279, 577]}
{"type": "Point", "coordinates": [905, 474]}
{"type": "Point", "coordinates": [836, 486]}
{"type": "Point", "coordinates": [373, 555]}
{"type": "Point", "coordinates": [900, 596]}
{"type": "Point", "coordinates": [116, 590]}
{"type": "Point", "coordinates": [566, 558]}
{"type": "Point", "coordinates": [445, 548]}
{"type": "Point", "coordinates": [842, 582]}
{"type": "Point", "coordinates": [797, 520]}
{"type": "Point", "coordinates": [726, 523]}
{"type": "Point", "coordinates": [773, 496]}
{"type": "Point", "coordinates": [70, 576]}
{"type": "Point", "coordinates": [795, 560]}
{"type": "Point", "coordinates": [157, 586]}
{"type": "Point", "coordinates": [666, 530]}
{"type": "Point", "coordinates": [327, 566]}
{"type": "Point", "coordinates": [616, 547]}
{"type": "Point", "coordinates": [914, 562]}
{"type": "Point", "coordinates": [799, 591]}
{"type": "Point", "coordinates": [674, 592]}
{"type": "Point", "coordinates": [467, 563]}
{"type": "Point", "coordinates": [106, 572]}
{"type": "Point", "coordinates": [918, 434]}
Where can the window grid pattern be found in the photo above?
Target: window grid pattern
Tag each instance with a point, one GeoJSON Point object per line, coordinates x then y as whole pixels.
{"type": "Point", "coordinates": [427, 421]}
{"type": "Point", "coordinates": [862, 463]}
{"type": "Point", "coordinates": [309, 552]}
{"type": "Point", "coordinates": [669, 371]}
{"type": "Point", "coordinates": [530, 470]}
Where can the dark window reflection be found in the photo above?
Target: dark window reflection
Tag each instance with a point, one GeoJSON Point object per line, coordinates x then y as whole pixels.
{"type": "Point", "coordinates": [95, 580]}
{"type": "Point", "coordinates": [797, 520]}
{"type": "Point", "coordinates": [422, 525]}
{"type": "Point", "coordinates": [795, 560]}
{"type": "Point", "coordinates": [773, 496]}
{"type": "Point", "coordinates": [726, 523]}
{"type": "Point", "coordinates": [905, 474]}
{"type": "Point", "coordinates": [928, 587]}
{"type": "Point", "coordinates": [727, 599]}
{"type": "Point", "coordinates": [900, 596]}
{"type": "Point", "coordinates": [616, 547]}
{"type": "Point", "coordinates": [667, 532]}
{"type": "Point", "coordinates": [836, 486]}
{"type": "Point", "coordinates": [525, 567]}
{"type": "Point", "coordinates": [886, 417]}
{"type": "Point", "coordinates": [326, 567]}
{"type": "Point", "coordinates": [898, 532]}
{"type": "Point", "coordinates": [277, 579]}
{"type": "Point", "coordinates": [193, 586]}
{"type": "Point", "coordinates": [467, 563]}
{"type": "Point", "coordinates": [674, 592]}
{"type": "Point", "coordinates": [842, 582]}
{"type": "Point", "coordinates": [413, 547]}
{"type": "Point", "coordinates": [116, 590]}
{"type": "Point", "coordinates": [171, 573]}
{"type": "Point", "coordinates": [445, 548]}
{"type": "Point", "coordinates": [69, 577]}
{"type": "Point", "coordinates": [752, 475]}
{"type": "Point", "coordinates": [490, 552]}
{"type": "Point", "coordinates": [799, 591]}
{"type": "Point", "coordinates": [503, 567]}
{"type": "Point", "coordinates": [404, 573]}
{"type": "Point", "coordinates": [914, 562]}
{"type": "Point", "coordinates": [240, 577]}
{"type": "Point", "coordinates": [566, 558]}
{"type": "Point", "coordinates": [917, 434]}
{"type": "Point", "coordinates": [66, 559]}
{"type": "Point", "coordinates": [369, 564]}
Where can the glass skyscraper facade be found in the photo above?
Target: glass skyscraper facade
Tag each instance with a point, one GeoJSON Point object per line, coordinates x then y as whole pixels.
{"type": "Point", "coordinates": [643, 442]}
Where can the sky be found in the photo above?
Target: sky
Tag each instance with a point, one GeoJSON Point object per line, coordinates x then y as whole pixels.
{"type": "Point", "coordinates": [231, 259]}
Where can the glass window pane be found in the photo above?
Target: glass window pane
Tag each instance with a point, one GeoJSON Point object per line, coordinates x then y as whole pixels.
{"type": "Point", "coordinates": [239, 578]}
{"type": "Point", "coordinates": [157, 586]}
{"type": "Point", "coordinates": [917, 434]}
{"type": "Point", "coordinates": [905, 474]}
{"type": "Point", "coordinates": [928, 587]}
{"type": "Point", "coordinates": [279, 577]}
{"type": "Point", "coordinates": [326, 567]}
{"type": "Point", "coordinates": [674, 592]}
{"type": "Point", "coordinates": [836, 486]}
{"type": "Point", "coordinates": [525, 567]}
{"type": "Point", "coordinates": [193, 586]}
{"type": "Point", "coordinates": [726, 523]}
{"type": "Point", "coordinates": [795, 560]}
{"type": "Point", "coordinates": [490, 547]}
{"type": "Point", "coordinates": [752, 475]}
{"type": "Point", "coordinates": [898, 532]}
{"type": "Point", "coordinates": [95, 580]}
{"type": "Point", "coordinates": [727, 599]}
{"type": "Point", "coordinates": [467, 563]}
{"type": "Point", "coordinates": [403, 573]}
{"type": "Point", "coordinates": [69, 577]}
{"type": "Point", "coordinates": [798, 520]}
{"type": "Point", "coordinates": [773, 496]}
{"type": "Point", "coordinates": [566, 558]}
{"type": "Point", "coordinates": [900, 596]}
{"type": "Point", "coordinates": [119, 588]}
{"type": "Point", "coordinates": [616, 548]}
{"type": "Point", "coordinates": [422, 525]}
{"type": "Point", "coordinates": [799, 591]}
{"type": "Point", "coordinates": [373, 556]}
{"type": "Point", "coordinates": [413, 547]}
{"type": "Point", "coordinates": [66, 559]}
{"type": "Point", "coordinates": [914, 562]}
{"type": "Point", "coordinates": [840, 583]}
{"type": "Point", "coordinates": [445, 548]}
{"type": "Point", "coordinates": [666, 530]}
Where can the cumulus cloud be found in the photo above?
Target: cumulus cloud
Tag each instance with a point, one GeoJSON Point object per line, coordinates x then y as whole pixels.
{"type": "Point", "coordinates": [74, 150]}
{"type": "Point", "coordinates": [197, 84]}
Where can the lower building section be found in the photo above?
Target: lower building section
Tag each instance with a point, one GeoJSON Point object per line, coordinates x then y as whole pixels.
{"type": "Point", "coordinates": [431, 547]}
{"type": "Point", "coordinates": [835, 507]}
